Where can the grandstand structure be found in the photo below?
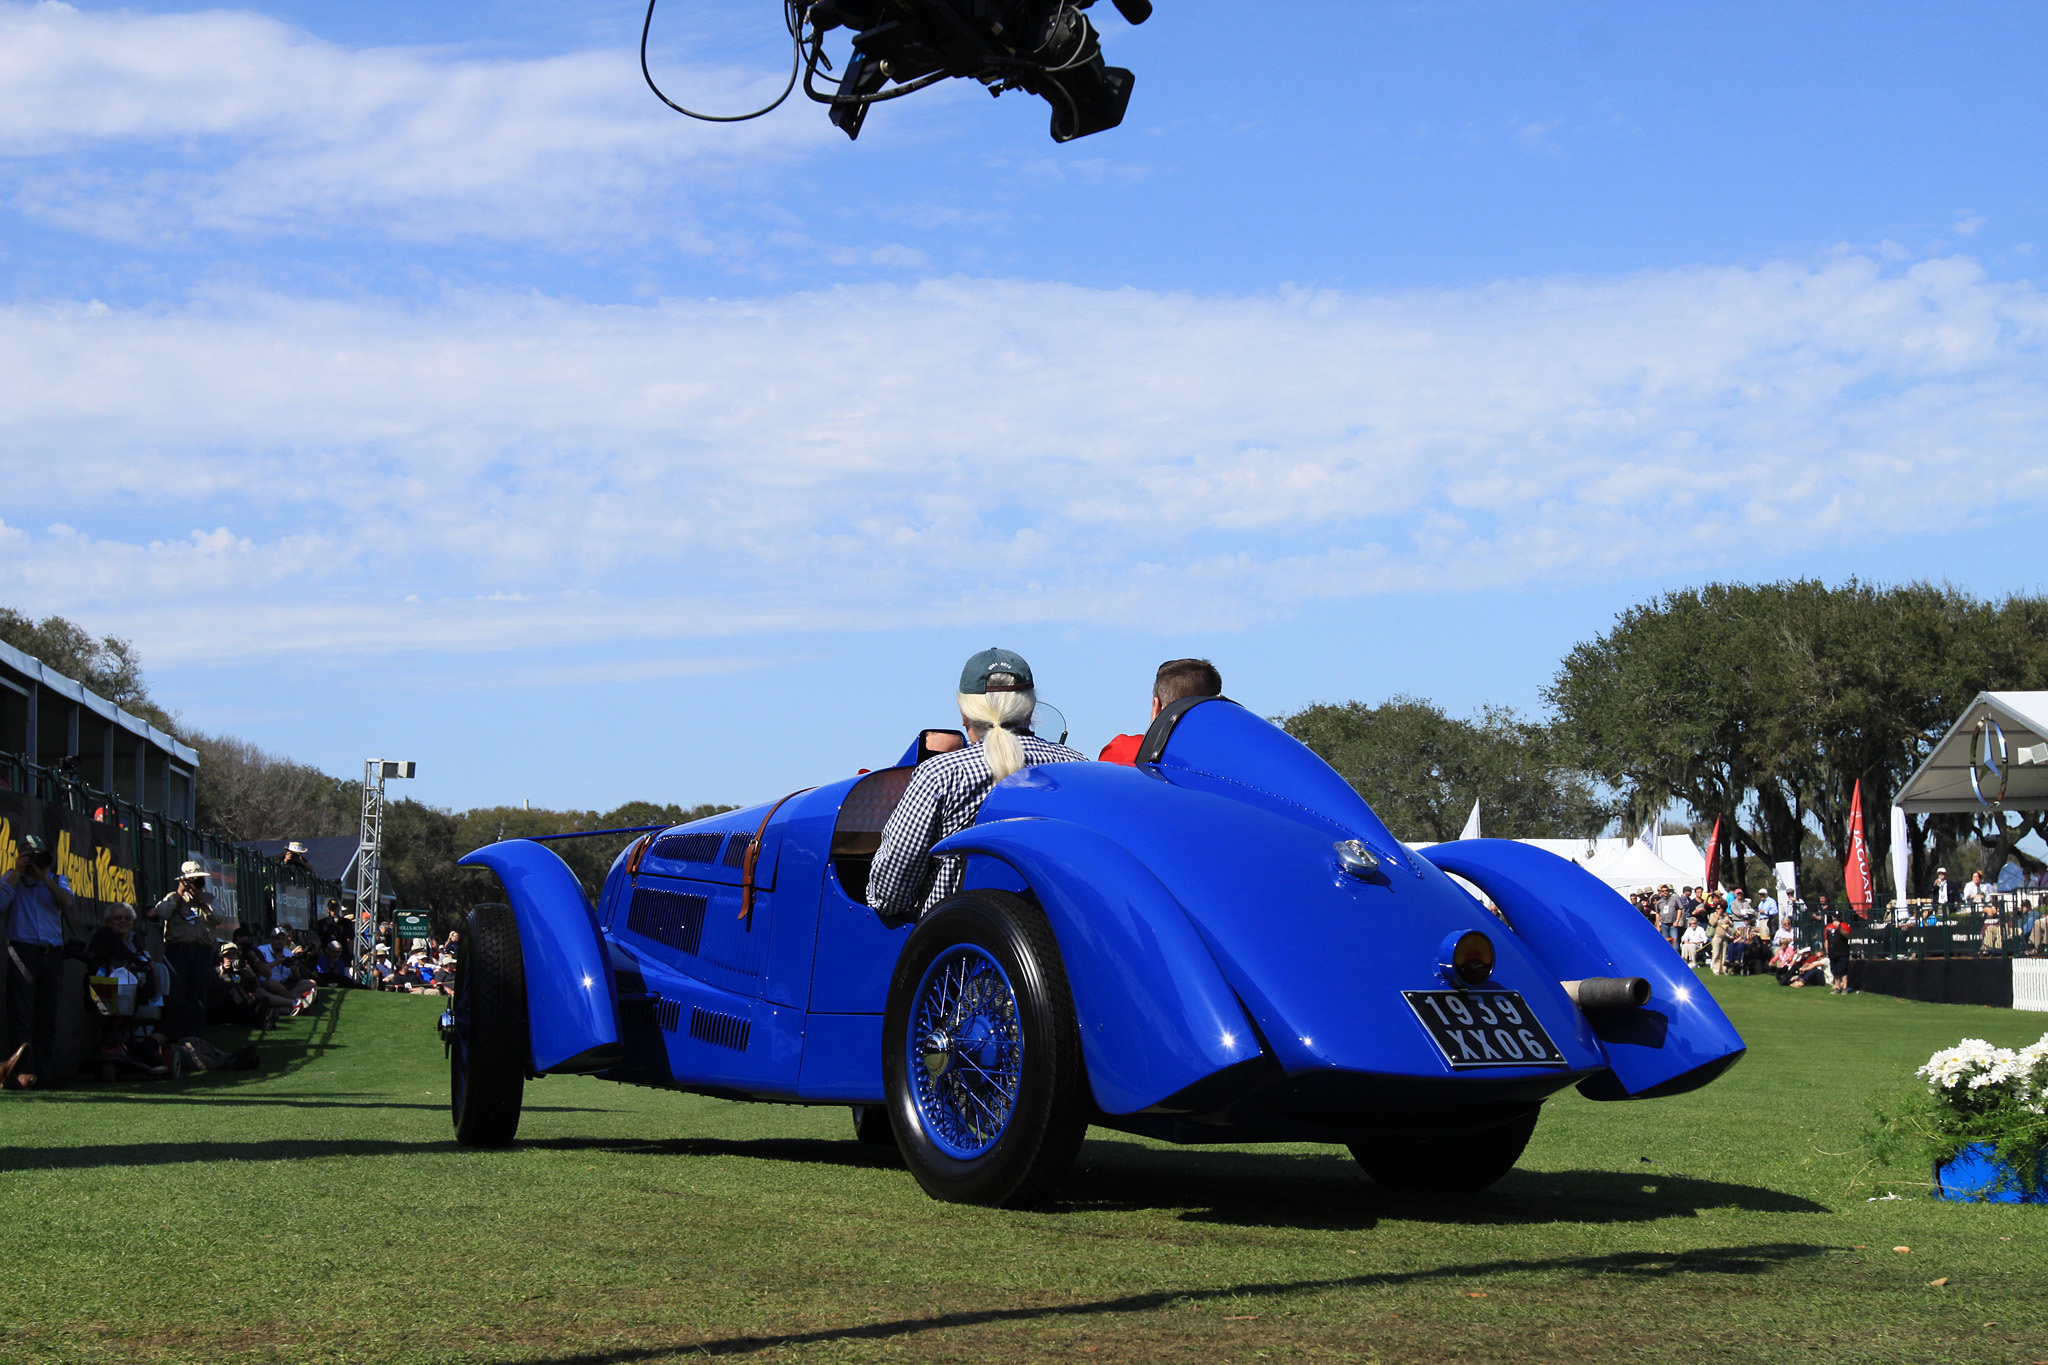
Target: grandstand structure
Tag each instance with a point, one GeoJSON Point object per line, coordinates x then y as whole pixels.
{"type": "Point", "coordinates": [54, 724]}
{"type": "Point", "coordinates": [116, 799]}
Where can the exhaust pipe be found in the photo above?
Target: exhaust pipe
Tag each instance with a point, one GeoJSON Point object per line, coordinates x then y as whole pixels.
{"type": "Point", "coordinates": [1608, 992]}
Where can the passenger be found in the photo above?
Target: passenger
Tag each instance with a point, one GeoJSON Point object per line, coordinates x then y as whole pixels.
{"type": "Point", "coordinates": [1177, 678]}
{"type": "Point", "coordinates": [996, 700]}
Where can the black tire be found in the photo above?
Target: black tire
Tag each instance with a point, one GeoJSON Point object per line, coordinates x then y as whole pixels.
{"type": "Point", "coordinates": [1448, 1162]}
{"type": "Point", "coordinates": [871, 1125]}
{"type": "Point", "coordinates": [1047, 1116]}
{"type": "Point", "coordinates": [489, 1052]}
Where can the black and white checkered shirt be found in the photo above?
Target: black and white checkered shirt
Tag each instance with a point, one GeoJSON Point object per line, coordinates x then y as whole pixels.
{"type": "Point", "coordinates": [942, 799]}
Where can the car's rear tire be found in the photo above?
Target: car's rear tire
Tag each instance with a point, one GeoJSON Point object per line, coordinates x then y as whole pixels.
{"type": "Point", "coordinates": [981, 1057]}
{"type": "Point", "coordinates": [871, 1125]}
{"type": "Point", "coordinates": [489, 1050]}
{"type": "Point", "coordinates": [1448, 1162]}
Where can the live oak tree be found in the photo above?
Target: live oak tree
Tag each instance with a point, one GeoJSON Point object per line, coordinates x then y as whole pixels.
{"type": "Point", "coordinates": [1764, 704]}
{"type": "Point", "coordinates": [422, 844]}
{"type": "Point", "coordinates": [1421, 769]}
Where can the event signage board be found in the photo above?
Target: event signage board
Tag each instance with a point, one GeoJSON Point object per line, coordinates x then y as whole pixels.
{"type": "Point", "coordinates": [295, 906]}
{"type": "Point", "coordinates": [411, 923]}
{"type": "Point", "coordinates": [96, 860]}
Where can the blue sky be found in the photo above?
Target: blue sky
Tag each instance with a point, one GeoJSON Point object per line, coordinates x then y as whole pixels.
{"type": "Point", "coordinates": [405, 381]}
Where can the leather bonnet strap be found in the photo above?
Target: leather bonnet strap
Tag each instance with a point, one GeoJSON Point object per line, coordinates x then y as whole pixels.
{"type": "Point", "coordinates": [753, 856]}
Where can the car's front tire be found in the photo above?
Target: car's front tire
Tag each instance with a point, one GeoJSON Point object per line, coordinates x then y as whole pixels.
{"type": "Point", "coordinates": [488, 1045]}
{"type": "Point", "coordinates": [1448, 1163]}
{"type": "Point", "coordinates": [981, 1056]}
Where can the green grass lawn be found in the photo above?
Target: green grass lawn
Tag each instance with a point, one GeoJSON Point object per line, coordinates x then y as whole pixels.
{"type": "Point", "coordinates": [318, 1210]}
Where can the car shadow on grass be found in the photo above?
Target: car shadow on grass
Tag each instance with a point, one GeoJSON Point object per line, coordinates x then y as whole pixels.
{"type": "Point", "coordinates": [1755, 1259]}
{"type": "Point", "coordinates": [175, 1092]}
{"type": "Point", "coordinates": [805, 1151]}
{"type": "Point", "coordinates": [1277, 1189]}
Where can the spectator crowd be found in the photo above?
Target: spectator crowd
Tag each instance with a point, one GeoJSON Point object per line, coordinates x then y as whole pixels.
{"type": "Point", "coordinates": [1809, 944]}
{"type": "Point", "coordinates": [156, 977]}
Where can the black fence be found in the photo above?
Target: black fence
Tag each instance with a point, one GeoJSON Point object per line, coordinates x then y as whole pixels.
{"type": "Point", "coordinates": [2003, 924]}
{"type": "Point", "coordinates": [122, 851]}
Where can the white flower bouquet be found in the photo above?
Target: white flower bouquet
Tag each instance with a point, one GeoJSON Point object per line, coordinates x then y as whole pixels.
{"type": "Point", "coordinates": [1976, 1096]}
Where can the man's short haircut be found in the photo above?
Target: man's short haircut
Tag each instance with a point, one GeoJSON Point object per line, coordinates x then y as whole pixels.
{"type": "Point", "coordinates": [1180, 678]}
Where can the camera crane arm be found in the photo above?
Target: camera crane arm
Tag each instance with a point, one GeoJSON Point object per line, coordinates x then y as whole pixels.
{"type": "Point", "coordinates": [1045, 47]}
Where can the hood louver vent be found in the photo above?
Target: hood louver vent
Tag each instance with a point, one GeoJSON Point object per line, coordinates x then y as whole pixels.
{"type": "Point", "coordinates": [689, 848]}
{"type": "Point", "coordinates": [673, 919]}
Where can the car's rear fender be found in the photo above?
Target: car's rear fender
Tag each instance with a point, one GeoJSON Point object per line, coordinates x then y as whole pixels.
{"type": "Point", "coordinates": [1580, 927]}
{"type": "Point", "coordinates": [1155, 1014]}
{"type": "Point", "coordinates": [570, 1001]}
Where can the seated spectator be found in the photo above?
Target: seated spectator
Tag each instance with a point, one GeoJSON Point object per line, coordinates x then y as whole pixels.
{"type": "Point", "coordinates": [433, 980]}
{"type": "Point", "coordinates": [113, 956]}
{"type": "Point", "coordinates": [246, 971]}
{"type": "Point", "coordinates": [1695, 943]}
{"type": "Point", "coordinates": [381, 970]}
{"type": "Point", "coordinates": [1756, 954]}
{"type": "Point", "coordinates": [330, 968]}
{"type": "Point", "coordinates": [1807, 969]}
{"type": "Point", "coordinates": [280, 971]}
{"type": "Point", "coordinates": [407, 977]}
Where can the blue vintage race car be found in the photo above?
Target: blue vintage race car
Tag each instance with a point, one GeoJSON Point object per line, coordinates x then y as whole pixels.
{"type": "Point", "coordinates": [1219, 944]}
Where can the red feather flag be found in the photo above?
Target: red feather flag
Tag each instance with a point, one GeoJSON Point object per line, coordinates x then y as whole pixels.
{"type": "Point", "coordinates": [1714, 856]}
{"type": "Point", "coordinates": [1862, 894]}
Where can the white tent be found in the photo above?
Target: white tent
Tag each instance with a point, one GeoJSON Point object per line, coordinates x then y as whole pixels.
{"type": "Point", "coordinates": [1635, 868]}
{"type": "Point", "coordinates": [1625, 864]}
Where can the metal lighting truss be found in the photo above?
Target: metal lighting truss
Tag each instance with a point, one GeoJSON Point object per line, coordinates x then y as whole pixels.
{"type": "Point", "coordinates": [370, 854]}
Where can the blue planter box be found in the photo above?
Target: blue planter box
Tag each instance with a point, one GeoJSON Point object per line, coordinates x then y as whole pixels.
{"type": "Point", "coordinates": [1976, 1178]}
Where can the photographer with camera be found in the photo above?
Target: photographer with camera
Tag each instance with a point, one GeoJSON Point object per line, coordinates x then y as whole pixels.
{"type": "Point", "coordinates": [33, 898]}
{"type": "Point", "coordinates": [189, 947]}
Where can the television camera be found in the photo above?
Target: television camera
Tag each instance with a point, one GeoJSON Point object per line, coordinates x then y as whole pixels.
{"type": "Point", "coordinates": [1047, 48]}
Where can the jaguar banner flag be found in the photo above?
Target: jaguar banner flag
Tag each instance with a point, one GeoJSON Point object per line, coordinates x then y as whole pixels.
{"type": "Point", "coordinates": [1714, 856]}
{"type": "Point", "coordinates": [1862, 894]}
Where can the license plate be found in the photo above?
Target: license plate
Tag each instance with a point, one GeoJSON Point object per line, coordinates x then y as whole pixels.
{"type": "Point", "coordinates": [1483, 1028]}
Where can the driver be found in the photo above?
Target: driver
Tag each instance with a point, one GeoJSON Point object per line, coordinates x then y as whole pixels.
{"type": "Point", "coordinates": [996, 702]}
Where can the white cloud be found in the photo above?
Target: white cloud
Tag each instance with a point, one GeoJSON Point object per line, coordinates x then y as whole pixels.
{"type": "Point", "coordinates": [130, 125]}
{"type": "Point", "coordinates": [968, 450]}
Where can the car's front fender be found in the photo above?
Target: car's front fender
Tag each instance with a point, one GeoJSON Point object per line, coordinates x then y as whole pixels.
{"type": "Point", "coordinates": [1155, 1014]}
{"type": "Point", "coordinates": [569, 999]}
{"type": "Point", "coordinates": [1580, 927]}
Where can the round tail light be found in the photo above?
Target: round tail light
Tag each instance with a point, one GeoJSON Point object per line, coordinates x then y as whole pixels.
{"type": "Point", "coordinates": [1470, 960]}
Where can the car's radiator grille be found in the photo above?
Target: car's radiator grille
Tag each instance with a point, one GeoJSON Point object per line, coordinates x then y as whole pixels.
{"type": "Point", "coordinates": [736, 850]}
{"type": "Point", "coordinates": [674, 919]}
{"type": "Point", "coordinates": [669, 1015]}
{"type": "Point", "coordinates": [720, 1030]}
{"type": "Point", "coordinates": [689, 848]}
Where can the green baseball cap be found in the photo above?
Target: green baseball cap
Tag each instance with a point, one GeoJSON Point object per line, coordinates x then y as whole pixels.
{"type": "Point", "coordinates": [974, 677]}
{"type": "Point", "coordinates": [33, 843]}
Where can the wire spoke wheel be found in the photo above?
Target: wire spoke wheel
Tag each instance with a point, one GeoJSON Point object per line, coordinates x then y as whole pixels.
{"type": "Point", "coordinates": [981, 1058]}
{"type": "Point", "coordinates": [967, 1051]}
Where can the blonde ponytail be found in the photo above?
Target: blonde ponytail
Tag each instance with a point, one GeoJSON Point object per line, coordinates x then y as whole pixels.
{"type": "Point", "coordinates": [996, 713]}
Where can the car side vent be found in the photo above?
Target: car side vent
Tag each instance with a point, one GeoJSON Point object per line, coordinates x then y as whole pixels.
{"type": "Point", "coordinates": [674, 919]}
{"type": "Point", "coordinates": [736, 849]}
{"type": "Point", "coordinates": [689, 848]}
{"type": "Point", "coordinates": [719, 1030]}
{"type": "Point", "coordinates": [669, 1015]}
